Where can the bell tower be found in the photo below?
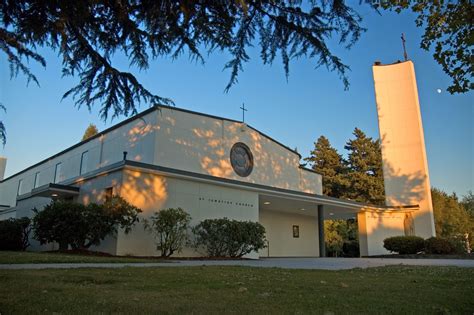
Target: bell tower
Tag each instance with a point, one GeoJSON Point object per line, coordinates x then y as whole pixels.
{"type": "Point", "coordinates": [405, 167]}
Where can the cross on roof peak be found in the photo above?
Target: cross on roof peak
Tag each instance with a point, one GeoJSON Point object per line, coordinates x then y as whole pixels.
{"type": "Point", "coordinates": [243, 112]}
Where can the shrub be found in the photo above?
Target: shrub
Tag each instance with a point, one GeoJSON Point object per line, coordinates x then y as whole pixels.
{"type": "Point", "coordinates": [351, 249]}
{"type": "Point", "coordinates": [458, 244]}
{"type": "Point", "coordinates": [79, 226]}
{"type": "Point", "coordinates": [404, 244]}
{"type": "Point", "coordinates": [170, 227]}
{"type": "Point", "coordinates": [14, 234]}
{"type": "Point", "coordinates": [229, 238]}
{"type": "Point", "coordinates": [438, 245]}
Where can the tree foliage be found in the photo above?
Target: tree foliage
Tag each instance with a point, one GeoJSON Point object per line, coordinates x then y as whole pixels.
{"type": "Point", "coordinates": [359, 177]}
{"type": "Point", "coordinates": [91, 130]}
{"type": "Point", "coordinates": [365, 173]}
{"type": "Point", "coordinates": [170, 228]}
{"type": "Point", "coordinates": [229, 238]}
{"type": "Point", "coordinates": [87, 34]}
{"type": "Point", "coordinates": [79, 226]}
{"type": "Point", "coordinates": [326, 161]}
{"type": "Point", "coordinates": [3, 131]}
{"type": "Point", "coordinates": [449, 30]}
{"type": "Point", "coordinates": [468, 203]}
{"type": "Point", "coordinates": [338, 233]}
{"type": "Point", "coordinates": [451, 218]}
{"type": "Point", "coordinates": [14, 233]}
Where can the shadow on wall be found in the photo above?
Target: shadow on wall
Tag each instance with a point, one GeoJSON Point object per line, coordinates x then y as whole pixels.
{"type": "Point", "coordinates": [203, 146]}
{"type": "Point", "coordinates": [145, 191]}
{"type": "Point", "coordinates": [403, 189]}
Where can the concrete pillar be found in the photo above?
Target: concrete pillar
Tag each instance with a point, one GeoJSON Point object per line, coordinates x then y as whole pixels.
{"type": "Point", "coordinates": [322, 244]}
{"type": "Point", "coordinates": [362, 228]}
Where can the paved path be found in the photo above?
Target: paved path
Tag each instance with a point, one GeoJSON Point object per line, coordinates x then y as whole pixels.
{"type": "Point", "coordinates": [292, 263]}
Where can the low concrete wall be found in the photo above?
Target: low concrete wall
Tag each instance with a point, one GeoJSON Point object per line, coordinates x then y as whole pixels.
{"type": "Point", "coordinates": [375, 227]}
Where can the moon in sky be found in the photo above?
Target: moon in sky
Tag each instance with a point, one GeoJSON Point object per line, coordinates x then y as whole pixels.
{"type": "Point", "coordinates": [439, 91]}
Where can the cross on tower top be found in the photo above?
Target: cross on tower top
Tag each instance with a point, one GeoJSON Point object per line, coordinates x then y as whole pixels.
{"type": "Point", "coordinates": [404, 48]}
{"type": "Point", "coordinates": [243, 111]}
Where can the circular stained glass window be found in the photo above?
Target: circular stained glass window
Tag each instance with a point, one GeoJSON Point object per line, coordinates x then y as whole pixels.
{"type": "Point", "coordinates": [241, 159]}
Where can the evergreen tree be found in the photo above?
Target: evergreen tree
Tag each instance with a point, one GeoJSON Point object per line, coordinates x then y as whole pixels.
{"type": "Point", "coordinates": [87, 34]}
{"type": "Point", "coordinates": [451, 218]}
{"type": "Point", "coordinates": [90, 131]}
{"type": "Point", "coordinates": [365, 173]}
{"type": "Point", "coordinates": [325, 160]}
{"type": "Point", "coordinates": [3, 131]}
{"type": "Point", "coordinates": [468, 203]}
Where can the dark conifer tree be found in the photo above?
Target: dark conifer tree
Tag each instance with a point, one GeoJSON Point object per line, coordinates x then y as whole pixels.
{"type": "Point", "coordinates": [325, 160]}
{"type": "Point", "coordinates": [365, 174]}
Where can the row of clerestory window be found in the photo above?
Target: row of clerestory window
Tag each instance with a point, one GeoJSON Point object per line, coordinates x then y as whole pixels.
{"type": "Point", "coordinates": [57, 173]}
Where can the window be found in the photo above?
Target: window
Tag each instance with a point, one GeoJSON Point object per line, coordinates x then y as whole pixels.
{"type": "Point", "coordinates": [84, 159]}
{"type": "Point", "coordinates": [37, 178]}
{"type": "Point", "coordinates": [57, 173]}
{"type": "Point", "coordinates": [109, 192]}
{"type": "Point", "coordinates": [296, 231]}
{"type": "Point", "coordinates": [20, 187]}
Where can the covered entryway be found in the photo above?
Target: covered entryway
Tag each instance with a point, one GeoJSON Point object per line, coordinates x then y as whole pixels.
{"type": "Point", "coordinates": [294, 223]}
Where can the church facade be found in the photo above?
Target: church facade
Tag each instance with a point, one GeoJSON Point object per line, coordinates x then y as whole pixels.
{"type": "Point", "coordinates": [212, 167]}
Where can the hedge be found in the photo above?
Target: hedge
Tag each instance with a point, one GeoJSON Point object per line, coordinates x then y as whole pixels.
{"type": "Point", "coordinates": [437, 245]}
{"type": "Point", "coordinates": [404, 244]}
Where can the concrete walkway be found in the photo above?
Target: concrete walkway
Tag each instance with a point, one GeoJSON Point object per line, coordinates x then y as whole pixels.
{"type": "Point", "coordinates": [291, 263]}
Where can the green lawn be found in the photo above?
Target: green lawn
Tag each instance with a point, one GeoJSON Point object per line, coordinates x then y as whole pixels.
{"type": "Point", "coordinates": [48, 258]}
{"type": "Point", "coordinates": [395, 289]}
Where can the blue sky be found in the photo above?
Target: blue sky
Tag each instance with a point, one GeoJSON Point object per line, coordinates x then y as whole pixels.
{"type": "Point", "coordinates": [296, 112]}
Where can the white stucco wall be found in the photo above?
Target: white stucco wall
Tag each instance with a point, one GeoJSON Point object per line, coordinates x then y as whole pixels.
{"type": "Point", "coordinates": [279, 233]}
{"type": "Point", "coordinates": [152, 192]}
{"type": "Point", "coordinates": [135, 137]}
{"type": "Point", "coordinates": [179, 140]}
{"type": "Point", "coordinates": [202, 145]}
{"type": "Point", "coordinates": [375, 227]}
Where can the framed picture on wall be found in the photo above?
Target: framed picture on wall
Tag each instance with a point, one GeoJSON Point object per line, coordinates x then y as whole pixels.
{"type": "Point", "coordinates": [296, 231]}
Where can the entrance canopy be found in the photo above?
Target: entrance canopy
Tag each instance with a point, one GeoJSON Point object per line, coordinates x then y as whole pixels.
{"type": "Point", "coordinates": [375, 222]}
{"type": "Point", "coordinates": [332, 208]}
{"type": "Point", "coordinates": [54, 191]}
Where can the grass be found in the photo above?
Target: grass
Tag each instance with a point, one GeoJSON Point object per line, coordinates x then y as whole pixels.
{"type": "Point", "coordinates": [49, 258]}
{"type": "Point", "coordinates": [394, 289]}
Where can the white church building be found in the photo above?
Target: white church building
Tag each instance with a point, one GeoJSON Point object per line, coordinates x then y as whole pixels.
{"type": "Point", "coordinates": [216, 167]}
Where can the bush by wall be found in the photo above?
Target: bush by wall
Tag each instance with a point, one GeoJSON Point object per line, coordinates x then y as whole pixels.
{"type": "Point", "coordinates": [170, 228]}
{"type": "Point", "coordinates": [458, 244]}
{"type": "Point", "coordinates": [351, 249]}
{"type": "Point", "coordinates": [438, 245]}
{"type": "Point", "coordinates": [78, 226]}
{"type": "Point", "coordinates": [229, 238]}
{"type": "Point", "coordinates": [14, 234]}
{"type": "Point", "coordinates": [404, 244]}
